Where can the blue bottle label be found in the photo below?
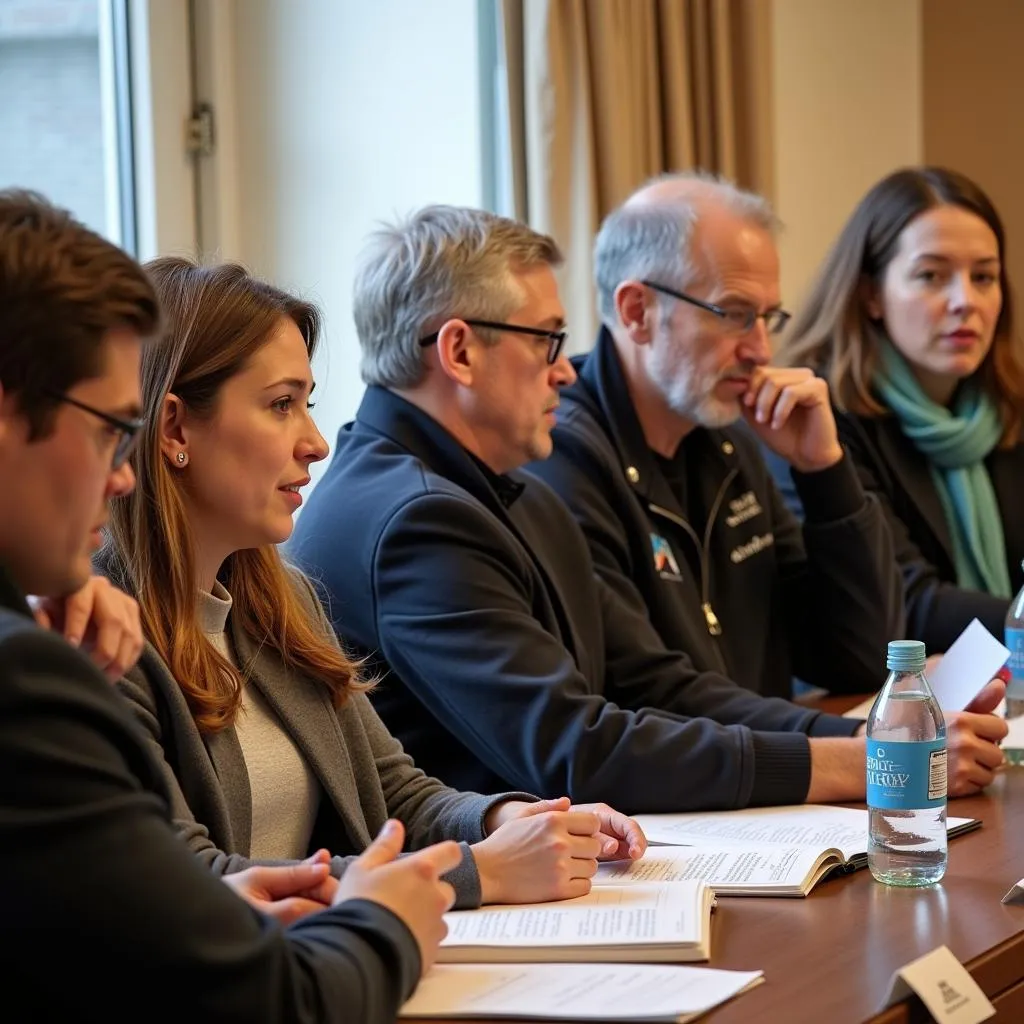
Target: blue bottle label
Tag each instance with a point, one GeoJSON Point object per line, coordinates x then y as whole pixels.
{"type": "Point", "coordinates": [906, 776]}
{"type": "Point", "coordinates": [1015, 641]}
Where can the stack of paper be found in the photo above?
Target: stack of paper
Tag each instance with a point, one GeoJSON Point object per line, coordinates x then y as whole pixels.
{"type": "Point", "coordinates": [634, 992]}
{"type": "Point", "coordinates": [642, 923]}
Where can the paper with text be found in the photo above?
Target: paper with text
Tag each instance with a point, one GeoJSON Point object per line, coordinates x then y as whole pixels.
{"type": "Point", "coordinates": [951, 995]}
{"type": "Point", "coordinates": [789, 870]}
{"type": "Point", "coordinates": [636, 992]}
{"type": "Point", "coordinates": [818, 826]}
{"type": "Point", "coordinates": [628, 919]}
{"type": "Point", "coordinates": [809, 825]}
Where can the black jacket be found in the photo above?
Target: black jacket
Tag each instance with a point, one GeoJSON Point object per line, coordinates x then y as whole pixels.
{"type": "Point", "coordinates": [892, 468]}
{"type": "Point", "coordinates": [107, 916]}
{"type": "Point", "coordinates": [507, 664]}
{"type": "Point", "coordinates": [746, 591]}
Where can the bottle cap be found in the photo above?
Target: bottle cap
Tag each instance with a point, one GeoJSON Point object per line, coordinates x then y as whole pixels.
{"type": "Point", "coordinates": [905, 656]}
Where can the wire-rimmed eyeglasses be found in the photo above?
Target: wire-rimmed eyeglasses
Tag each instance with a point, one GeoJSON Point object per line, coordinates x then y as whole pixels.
{"type": "Point", "coordinates": [741, 318]}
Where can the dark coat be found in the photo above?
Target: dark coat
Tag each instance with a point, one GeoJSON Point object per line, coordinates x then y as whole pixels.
{"type": "Point", "coordinates": [505, 662]}
{"type": "Point", "coordinates": [106, 914]}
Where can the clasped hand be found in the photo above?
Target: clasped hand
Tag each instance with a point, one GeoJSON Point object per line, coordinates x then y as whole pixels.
{"type": "Point", "coordinates": [411, 887]}
{"type": "Point", "coordinates": [549, 850]}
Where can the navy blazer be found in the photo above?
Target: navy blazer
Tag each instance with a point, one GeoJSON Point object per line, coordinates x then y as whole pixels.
{"type": "Point", "coordinates": [505, 662]}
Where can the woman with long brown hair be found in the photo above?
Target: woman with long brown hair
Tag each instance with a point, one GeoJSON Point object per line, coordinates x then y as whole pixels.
{"type": "Point", "coordinates": [271, 748]}
{"type": "Point", "coordinates": [911, 323]}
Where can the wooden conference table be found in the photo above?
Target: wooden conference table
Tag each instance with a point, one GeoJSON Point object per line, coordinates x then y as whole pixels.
{"type": "Point", "coordinates": [830, 957]}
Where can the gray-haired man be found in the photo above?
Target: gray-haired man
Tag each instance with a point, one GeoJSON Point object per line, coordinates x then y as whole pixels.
{"type": "Point", "coordinates": [505, 660]}
{"type": "Point", "coordinates": [682, 518]}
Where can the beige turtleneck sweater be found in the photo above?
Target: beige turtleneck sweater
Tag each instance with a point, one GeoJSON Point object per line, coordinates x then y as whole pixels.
{"type": "Point", "coordinates": [285, 792]}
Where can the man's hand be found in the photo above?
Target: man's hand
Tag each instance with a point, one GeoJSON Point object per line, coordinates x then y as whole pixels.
{"type": "Point", "coordinates": [789, 410]}
{"type": "Point", "coordinates": [410, 887]}
{"type": "Point", "coordinates": [286, 893]}
{"type": "Point", "coordinates": [972, 739]}
{"type": "Point", "coordinates": [100, 619]}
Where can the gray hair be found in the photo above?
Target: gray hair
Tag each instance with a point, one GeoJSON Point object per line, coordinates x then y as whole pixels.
{"type": "Point", "coordinates": [652, 238]}
{"type": "Point", "coordinates": [441, 262]}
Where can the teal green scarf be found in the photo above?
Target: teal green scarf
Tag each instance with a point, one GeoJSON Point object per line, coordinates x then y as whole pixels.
{"type": "Point", "coordinates": [955, 442]}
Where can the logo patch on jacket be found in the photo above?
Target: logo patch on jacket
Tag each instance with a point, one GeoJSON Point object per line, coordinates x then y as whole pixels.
{"type": "Point", "coordinates": [665, 564]}
{"type": "Point", "coordinates": [745, 507]}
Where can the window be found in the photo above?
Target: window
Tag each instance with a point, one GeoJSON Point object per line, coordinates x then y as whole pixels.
{"type": "Point", "coordinates": [65, 115]}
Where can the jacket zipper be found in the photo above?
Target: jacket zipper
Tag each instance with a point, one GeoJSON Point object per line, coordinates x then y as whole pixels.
{"type": "Point", "coordinates": [704, 550]}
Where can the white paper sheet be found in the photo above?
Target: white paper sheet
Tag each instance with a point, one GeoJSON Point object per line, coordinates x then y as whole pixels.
{"type": "Point", "coordinates": [971, 661]}
{"type": "Point", "coordinates": [620, 915]}
{"type": "Point", "coordinates": [810, 825]}
{"type": "Point", "coordinates": [640, 992]}
{"type": "Point", "coordinates": [721, 867]}
{"type": "Point", "coordinates": [818, 826]}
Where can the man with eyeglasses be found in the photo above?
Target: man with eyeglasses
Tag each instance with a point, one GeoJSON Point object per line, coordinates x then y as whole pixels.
{"type": "Point", "coordinates": [656, 453]}
{"type": "Point", "coordinates": [92, 875]}
{"type": "Point", "coordinates": [503, 659]}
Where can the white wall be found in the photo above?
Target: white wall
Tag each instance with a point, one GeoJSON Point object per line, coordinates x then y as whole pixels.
{"type": "Point", "coordinates": [165, 191]}
{"type": "Point", "coordinates": [847, 110]}
{"type": "Point", "coordinates": [345, 113]}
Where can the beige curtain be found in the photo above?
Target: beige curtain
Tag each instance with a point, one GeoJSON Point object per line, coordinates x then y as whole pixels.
{"type": "Point", "coordinates": [603, 94]}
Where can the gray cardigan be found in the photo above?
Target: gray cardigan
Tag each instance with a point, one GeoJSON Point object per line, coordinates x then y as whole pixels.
{"type": "Point", "coordinates": [365, 775]}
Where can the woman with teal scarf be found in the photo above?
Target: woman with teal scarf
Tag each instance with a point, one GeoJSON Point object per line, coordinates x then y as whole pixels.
{"type": "Point", "coordinates": [910, 321]}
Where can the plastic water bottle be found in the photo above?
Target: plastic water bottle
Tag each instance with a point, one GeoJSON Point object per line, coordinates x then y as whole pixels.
{"type": "Point", "coordinates": [906, 774]}
{"type": "Point", "coordinates": [1013, 746]}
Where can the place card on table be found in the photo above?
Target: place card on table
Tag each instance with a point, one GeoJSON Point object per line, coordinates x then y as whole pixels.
{"type": "Point", "coordinates": [1016, 894]}
{"type": "Point", "coordinates": [942, 983]}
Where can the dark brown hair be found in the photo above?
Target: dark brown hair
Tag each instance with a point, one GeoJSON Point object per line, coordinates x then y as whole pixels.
{"type": "Point", "coordinates": [62, 289]}
{"type": "Point", "coordinates": [216, 318]}
{"type": "Point", "coordinates": [834, 334]}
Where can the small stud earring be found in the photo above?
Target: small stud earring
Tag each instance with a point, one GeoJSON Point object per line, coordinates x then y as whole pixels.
{"type": "Point", "coordinates": [182, 458]}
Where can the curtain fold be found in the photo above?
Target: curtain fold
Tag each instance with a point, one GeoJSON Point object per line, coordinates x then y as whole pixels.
{"type": "Point", "coordinates": [604, 94]}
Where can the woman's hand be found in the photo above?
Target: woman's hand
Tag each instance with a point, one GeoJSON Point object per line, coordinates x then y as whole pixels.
{"type": "Point", "coordinates": [549, 850]}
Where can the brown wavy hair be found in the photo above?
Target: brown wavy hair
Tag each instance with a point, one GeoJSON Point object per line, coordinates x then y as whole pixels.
{"type": "Point", "coordinates": [834, 334]}
{"type": "Point", "coordinates": [215, 319]}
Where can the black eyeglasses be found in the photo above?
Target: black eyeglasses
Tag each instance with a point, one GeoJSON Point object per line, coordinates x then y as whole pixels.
{"type": "Point", "coordinates": [556, 339]}
{"type": "Point", "coordinates": [127, 430]}
{"type": "Point", "coordinates": [742, 318]}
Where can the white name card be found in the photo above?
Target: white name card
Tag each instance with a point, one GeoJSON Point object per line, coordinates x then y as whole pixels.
{"type": "Point", "coordinates": [951, 995]}
{"type": "Point", "coordinates": [1016, 894]}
